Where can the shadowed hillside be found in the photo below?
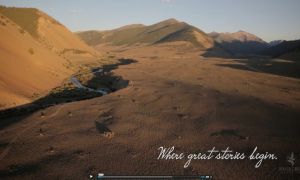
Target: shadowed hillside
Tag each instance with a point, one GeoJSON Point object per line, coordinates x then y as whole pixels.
{"type": "Point", "coordinates": [239, 43]}
{"type": "Point", "coordinates": [289, 50]}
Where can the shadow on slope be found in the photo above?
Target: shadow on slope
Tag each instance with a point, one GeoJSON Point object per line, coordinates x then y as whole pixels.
{"type": "Point", "coordinates": [244, 48]}
{"type": "Point", "coordinates": [106, 80]}
{"type": "Point", "coordinates": [254, 62]}
{"type": "Point", "coordinates": [267, 65]}
{"type": "Point", "coordinates": [282, 48]}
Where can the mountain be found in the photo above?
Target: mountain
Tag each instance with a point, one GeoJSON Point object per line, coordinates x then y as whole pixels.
{"type": "Point", "coordinates": [240, 42]}
{"type": "Point", "coordinates": [166, 31]}
{"type": "Point", "coordinates": [275, 42]}
{"type": "Point", "coordinates": [49, 32]}
{"type": "Point", "coordinates": [28, 69]}
{"type": "Point", "coordinates": [286, 50]}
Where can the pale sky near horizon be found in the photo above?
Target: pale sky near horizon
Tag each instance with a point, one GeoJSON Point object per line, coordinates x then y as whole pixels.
{"type": "Point", "coordinates": [268, 19]}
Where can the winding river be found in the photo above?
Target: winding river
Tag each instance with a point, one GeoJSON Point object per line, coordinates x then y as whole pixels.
{"type": "Point", "coordinates": [77, 84]}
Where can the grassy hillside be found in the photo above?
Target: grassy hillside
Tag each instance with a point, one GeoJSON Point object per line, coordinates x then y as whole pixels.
{"type": "Point", "coordinates": [27, 18]}
{"type": "Point", "coordinates": [47, 30]}
{"type": "Point", "coordinates": [91, 37]}
{"type": "Point", "coordinates": [165, 31]}
{"type": "Point", "coordinates": [28, 70]}
{"type": "Point", "coordinates": [190, 34]}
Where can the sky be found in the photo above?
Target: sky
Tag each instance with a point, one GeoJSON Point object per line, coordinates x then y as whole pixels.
{"type": "Point", "coordinates": [268, 19]}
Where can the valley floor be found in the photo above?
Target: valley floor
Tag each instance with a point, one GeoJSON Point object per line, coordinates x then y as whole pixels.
{"type": "Point", "coordinates": [175, 97]}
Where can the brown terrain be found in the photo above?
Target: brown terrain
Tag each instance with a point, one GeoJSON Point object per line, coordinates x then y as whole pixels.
{"type": "Point", "coordinates": [176, 95]}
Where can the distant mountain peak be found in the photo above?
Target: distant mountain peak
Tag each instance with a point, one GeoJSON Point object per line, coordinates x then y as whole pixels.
{"type": "Point", "coordinates": [240, 42]}
{"type": "Point", "coordinates": [130, 26]}
{"type": "Point", "coordinates": [246, 36]}
{"type": "Point", "coordinates": [170, 21]}
{"type": "Point", "coordinates": [275, 42]}
{"type": "Point", "coordinates": [242, 31]}
{"type": "Point", "coordinates": [240, 35]}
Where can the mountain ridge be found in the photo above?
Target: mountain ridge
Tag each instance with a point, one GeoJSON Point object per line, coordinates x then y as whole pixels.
{"type": "Point", "coordinates": [160, 32]}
